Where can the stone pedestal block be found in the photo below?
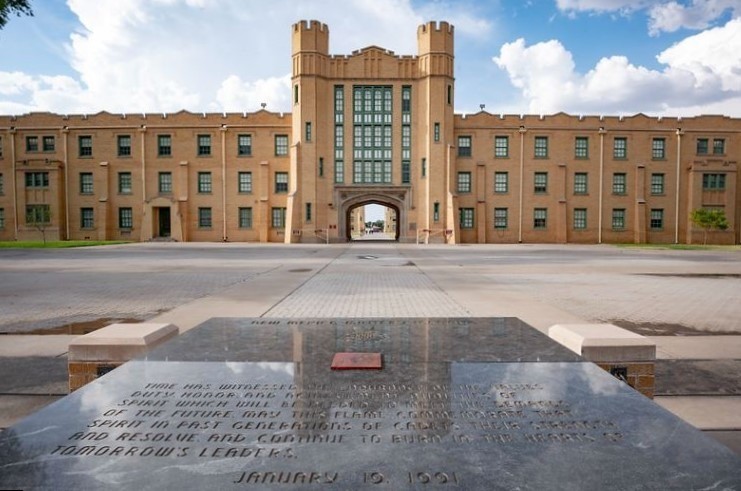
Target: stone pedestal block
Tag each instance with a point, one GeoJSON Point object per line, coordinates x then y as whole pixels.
{"type": "Point", "coordinates": [97, 353]}
{"type": "Point", "coordinates": [626, 355]}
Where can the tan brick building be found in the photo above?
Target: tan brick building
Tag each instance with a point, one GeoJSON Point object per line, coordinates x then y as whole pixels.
{"type": "Point", "coordinates": [369, 127]}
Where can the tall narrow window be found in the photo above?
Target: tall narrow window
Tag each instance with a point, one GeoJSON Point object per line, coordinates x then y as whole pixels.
{"type": "Point", "coordinates": [618, 183]}
{"type": "Point", "coordinates": [657, 219]}
{"type": "Point", "coordinates": [339, 134]}
{"type": "Point", "coordinates": [164, 182]}
{"type": "Point", "coordinates": [372, 133]}
{"type": "Point", "coordinates": [406, 134]}
{"type": "Point", "coordinates": [124, 183]}
{"type": "Point", "coordinates": [436, 132]}
{"type": "Point", "coordinates": [295, 94]}
{"type": "Point", "coordinates": [244, 145]}
{"type": "Point", "coordinates": [244, 182]}
{"type": "Point", "coordinates": [500, 218]}
{"type": "Point", "coordinates": [49, 144]}
{"type": "Point", "coordinates": [32, 144]}
{"type": "Point", "coordinates": [657, 184]}
{"type": "Point", "coordinates": [702, 146]}
{"type": "Point", "coordinates": [124, 145]}
{"type": "Point", "coordinates": [541, 182]}
{"type": "Point", "coordinates": [620, 147]}
{"type": "Point", "coordinates": [501, 147]}
{"type": "Point", "coordinates": [466, 218]}
{"type": "Point", "coordinates": [406, 172]}
{"type": "Point", "coordinates": [450, 94]}
{"type": "Point", "coordinates": [307, 132]}
{"type": "Point", "coordinates": [464, 182]}
{"type": "Point", "coordinates": [245, 217]}
{"type": "Point", "coordinates": [580, 218]}
{"type": "Point", "coordinates": [719, 146]}
{"type": "Point", "coordinates": [87, 218]}
{"type": "Point", "coordinates": [581, 147]}
{"type": "Point", "coordinates": [540, 218]}
{"type": "Point", "coordinates": [204, 145]}
{"type": "Point", "coordinates": [2, 218]}
{"type": "Point", "coordinates": [164, 145]}
{"type": "Point", "coordinates": [541, 147]}
{"type": "Point", "coordinates": [125, 218]}
{"type": "Point", "coordinates": [424, 167]}
{"type": "Point", "coordinates": [86, 183]}
{"type": "Point", "coordinates": [281, 182]}
{"type": "Point", "coordinates": [436, 212]}
{"type": "Point", "coordinates": [204, 182]}
{"type": "Point", "coordinates": [464, 146]}
{"type": "Point", "coordinates": [281, 145]}
{"type": "Point", "coordinates": [308, 213]}
{"type": "Point", "coordinates": [580, 183]}
{"type": "Point", "coordinates": [618, 219]}
{"type": "Point", "coordinates": [278, 218]}
{"type": "Point", "coordinates": [205, 218]}
{"type": "Point", "coordinates": [85, 144]}
{"type": "Point", "coordinates": [2, 184]}
{"type": "Point", "coordinates": [501, 182]}
{"type": "Point", "coordinates": [658, 149]}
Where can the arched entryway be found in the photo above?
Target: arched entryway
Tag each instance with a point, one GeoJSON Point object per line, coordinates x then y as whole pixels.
{"type": "Point", "coordinates": [349, 227]}
{"type": "Point", "coordinates": [349, 198]}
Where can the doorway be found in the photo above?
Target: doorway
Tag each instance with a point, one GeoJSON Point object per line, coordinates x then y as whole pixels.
{"type": "Point", "coordinates": [163, 220]}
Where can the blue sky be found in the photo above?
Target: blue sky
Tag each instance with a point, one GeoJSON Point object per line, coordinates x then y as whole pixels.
{"type": "Point", "coordinates": [660, 57]}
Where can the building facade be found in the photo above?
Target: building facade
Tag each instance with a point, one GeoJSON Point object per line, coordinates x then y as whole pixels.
{"type": "Point", "coordinates": [369, 127]}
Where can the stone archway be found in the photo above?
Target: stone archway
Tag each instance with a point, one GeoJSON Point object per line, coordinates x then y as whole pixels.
{"type": "Point", "coordinates": [351, 197]}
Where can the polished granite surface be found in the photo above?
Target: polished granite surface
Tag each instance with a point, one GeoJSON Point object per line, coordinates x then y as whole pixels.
{"type": "Point", "coordinates": [502, 417]}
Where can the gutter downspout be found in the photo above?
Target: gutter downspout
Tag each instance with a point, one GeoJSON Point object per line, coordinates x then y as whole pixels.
{"type": "Point", "coordinates": [15, 183]}
{"type": "Point", "coordinates": [65, 132]}
{"type": "Point", "coordinates": [679, 169]}
{"type": "Point", "coordinates": [223, 181]}
{"type": "Point", "coordinates": [602, 132]}
{"type": "Point", "coordinates": [522, 130]}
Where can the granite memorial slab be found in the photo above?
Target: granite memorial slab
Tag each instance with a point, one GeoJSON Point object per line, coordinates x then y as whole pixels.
{"type": "Point", "coordinates": [423, 421]}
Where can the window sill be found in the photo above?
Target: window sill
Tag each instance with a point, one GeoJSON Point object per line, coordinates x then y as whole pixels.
{"type": "Point", "coordinates": [244, 155]}
{"type": "Point", "coordinates": [619, 158]}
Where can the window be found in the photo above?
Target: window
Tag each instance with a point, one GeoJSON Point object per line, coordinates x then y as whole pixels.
{"type": "Point", "coordinates": [424, 167]}
{"type": "Point", "coordinates": [580, 183]}
{"type": "Point", "coordinates": [244, 182]}
{"type": "Point", "coordinates": [1, 147]}
{"type": "Point", "coordinates": [278, 218]}
{"type": "Point", "coordinates": [466, 217]}
{"type": "Point", "coordinates": [658, 149]}
{"type": "Point", "coordinates": [2, 218]}
{"type": "Point", "coordinates": [618, 219]}
{"type": "Point", "coordinates": [2, 185]}
{"type": "Point", "coordinates": [372, 133]}
{"type": "Point", "coordinates": [124, 145]}
{"type": "Point", "coordinates": [32, 144]}
{"type": "Point", "coordinates": [618, 183]}
{"type": "Point", "coordinates": [295, 94]}
{"type": "Point", "coordinates": [165, 182]}
{"type": "Point", "coordinates": [540, 218]}
{"type": "Point", "coordinates": [657, 219]}
{"type": "Point", "coordinates": [204, 218]}
{"type": "Point", "coordinates": [244, 145]}
{"type": "Point", "coordinates": [339, 171]}
{"type": "Point", "coordinates": [501, 182]}
{"type": "Point", "coordinates": [85, 146]}
{"type": "Point", "coordinates": [125, 218]}
{"type": "Point", "coordinates": [620, 148]}
{"type": "Point", "coordinates": [719, 146]}
{"type": "Point", "coordinates": [464, 146]}
{"type": "Point", "coordinates": [245, 217]}
{"type": "Point", "coordinates": [581, 147]}
{"type": "Point", "coordinates": [436, 212]}
{"type": "Point", "coordinates": [164, 145]}
{"type": "Point", "coordinates": [86, 183]}
{"type": "Point", "coordinates": [124, 183]}
{"type": "Point", "coordinates": [541, 147]}
{"type": "Point", "coordinates": [500, 218]}
{"type": "Point", "coordinates": [437, 132]}
{"type": "Point", "coordinates": [464, 182]}
{"type": "Point", "coordinates": [501, 147]}
{"type": "Point", "coordinates": [49, 144]}
{"type": "Point", "coordinates": [38, 214]}
{"type": "Point", "coordinates": [204, 145]}
{"type": "Point", "coordinates": [406, 172]}
{"type": "Point", "coordinates": [580, 218]}
{"type": "Point", "coordinates": [450, 94]}
{"type": "Point", "coordinates": [406, 99]}
{"type": "Point", "coordinates": [541, 182]}
{"type": "Point", "coordinates": [339, 134]}
{"type": "Point", "coordinates": [320, 170]}
{"type": "Point", "coordinates": [308, 212]}
{"type": "Point", "coordinates": [281, 145]}
{"type": "Point", "coordinates": [37, 179]}
{"type": "Point", "coordinates": [87, 218]}
{"type": "Point", "coordinates": [657, 183]}
{"type": "Point", "coordinates": [713, 181]}
{"type": "Point", "coordinates": [307, 134]}
{"type": "Point", "coordinates": [204, 182]}
{"type": "Point", "coordinates": [281, 182]}
{"type": "Point", "coordinates": [702, 146]}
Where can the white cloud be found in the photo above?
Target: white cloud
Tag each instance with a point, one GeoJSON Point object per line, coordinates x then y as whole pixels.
{"type": "Point", "coordinates": [664, 15]}
{"type": "Point", "coordinates": [701, 71]}
{"type": "Point", "coordinates": [214, 55]}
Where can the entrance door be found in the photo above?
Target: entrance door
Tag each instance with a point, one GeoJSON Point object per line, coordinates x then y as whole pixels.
{"type": "Point", "coordinates": [164, 221]}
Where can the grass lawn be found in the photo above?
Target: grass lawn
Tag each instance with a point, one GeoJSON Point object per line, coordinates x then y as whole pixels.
{"type": "Point", "coordinates": [61, 244]}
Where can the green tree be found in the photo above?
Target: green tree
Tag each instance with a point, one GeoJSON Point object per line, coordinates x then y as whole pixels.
{"type": "Point", "coordinates": [39, 217]}
{"type": "Point", "coordinates": [17, 7]}
{"type": "Point", "coordinates": [709, 219]}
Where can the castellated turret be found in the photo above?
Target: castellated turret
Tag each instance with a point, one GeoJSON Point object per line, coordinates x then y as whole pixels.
{"type": "Point", "coordinates": [310, 36]}
{"type": "Point", "coordinates": [435, 48]}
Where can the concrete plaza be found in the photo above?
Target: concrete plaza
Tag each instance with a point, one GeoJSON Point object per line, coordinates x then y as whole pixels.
{"type": "Point", "coordinates": [687, 301]}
